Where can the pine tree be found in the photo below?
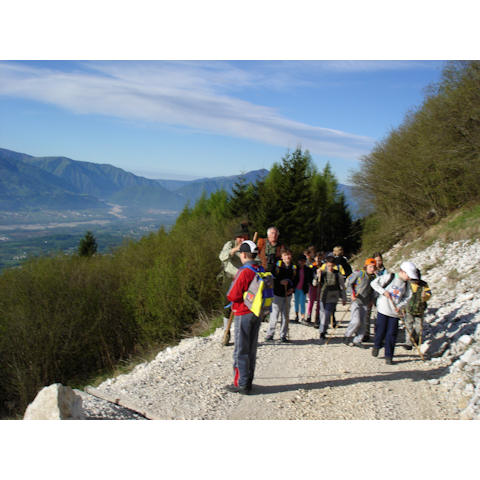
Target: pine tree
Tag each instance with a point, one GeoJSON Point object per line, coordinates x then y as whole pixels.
{"type": "Point", "coordinates": [88, 245]}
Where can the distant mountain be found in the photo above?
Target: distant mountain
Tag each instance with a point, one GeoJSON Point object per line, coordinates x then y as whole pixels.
{"type": "Point", "coordinates": [25, 186]}
{"type": "Point", "coordinates": [60, 183]}
{"type": "Point", "coordinates": [109, 183]}
{"type": "Point", "coordinates": [353, 205]}
{"type": "Point", "coordinates": [193, 190]}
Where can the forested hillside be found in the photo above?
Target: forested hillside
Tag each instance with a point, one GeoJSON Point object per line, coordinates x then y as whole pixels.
{"type": "Point", "coordinates": [429, 165]}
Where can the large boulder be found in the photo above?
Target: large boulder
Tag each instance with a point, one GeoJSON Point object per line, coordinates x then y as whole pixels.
{"type": "Point", "coordinates": [55, 402]}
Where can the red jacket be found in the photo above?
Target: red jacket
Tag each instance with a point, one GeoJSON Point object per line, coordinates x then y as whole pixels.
{"type": "Point", "coordinates": [238, 287]}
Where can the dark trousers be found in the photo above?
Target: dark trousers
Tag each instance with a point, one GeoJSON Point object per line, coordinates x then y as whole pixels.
{"type": "Point", "coordinates": [386, 330]}
{"type": "Point", "coordinates": [328, 311]}
{"type": "Point", "coordinates": [245, 350]}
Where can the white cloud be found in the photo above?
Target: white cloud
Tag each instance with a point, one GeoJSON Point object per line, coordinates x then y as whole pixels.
{"type": "Point", "coordinates": [189, 94]}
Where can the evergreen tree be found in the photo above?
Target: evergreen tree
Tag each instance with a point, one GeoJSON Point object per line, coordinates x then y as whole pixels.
{"type": "Point", "coordinates": [88, 245]}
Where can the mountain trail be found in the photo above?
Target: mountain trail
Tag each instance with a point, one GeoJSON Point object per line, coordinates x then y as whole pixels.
{"type": "Point", "coordinates": [300, 380]}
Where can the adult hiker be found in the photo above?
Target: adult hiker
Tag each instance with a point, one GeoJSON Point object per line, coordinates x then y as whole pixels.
{"type": "Point", "coordinates": [283, 286]}
{"type": "Point", "coordinates": [415, 310]}
{"type": "Point", "coordinates": [247, 324]}
{"type": "Point", "coordinates": [394, 294]}
{"type": "Point", "coordinates": [269, 249]}
{"type": "Point", "coordinates": [381, 270]}
{"type": "Point", "coordinates": [362, 298]}
{"type": "Point", "coordinates": [303, 280]}
{"type": "Point", "coordinates": [332, 287]}
{"type": "Point", "coordinates": [231, 260]}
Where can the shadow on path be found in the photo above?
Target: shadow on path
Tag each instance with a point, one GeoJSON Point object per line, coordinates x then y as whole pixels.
{"type": "Point", "coordinates": [415, 375]}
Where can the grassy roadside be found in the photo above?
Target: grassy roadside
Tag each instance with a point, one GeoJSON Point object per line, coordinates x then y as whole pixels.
{"type": "Point", "coordinates": [461, 225]}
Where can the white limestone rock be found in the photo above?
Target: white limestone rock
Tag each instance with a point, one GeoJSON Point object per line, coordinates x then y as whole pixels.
{"type": "Point", "coordinates": [55, 402]}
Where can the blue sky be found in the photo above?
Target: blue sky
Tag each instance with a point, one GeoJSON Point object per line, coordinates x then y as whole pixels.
{"type": "Point", "coordinates": [188, 119]}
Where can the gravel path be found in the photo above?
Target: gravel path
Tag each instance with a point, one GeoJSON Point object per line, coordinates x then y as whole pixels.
{"type": "Point", "coordinates": [299, 380]}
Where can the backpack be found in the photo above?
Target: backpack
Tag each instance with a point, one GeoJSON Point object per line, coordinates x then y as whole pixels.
{"type": "Point", "coordinates": [323, 280]}
{"type": "Point", "coordinates": [259, 296]}
{"type": "Point", "coordinates": [416, 306]}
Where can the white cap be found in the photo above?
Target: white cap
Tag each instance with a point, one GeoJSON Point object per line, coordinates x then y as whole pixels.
{"type": "Point", "coordinates": [410, 269]}
{"type": "Point", "coordinates": [248, 246]}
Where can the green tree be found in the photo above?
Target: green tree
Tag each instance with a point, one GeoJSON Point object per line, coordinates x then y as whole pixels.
{"type": "Point", "coordinates": [88, 245]}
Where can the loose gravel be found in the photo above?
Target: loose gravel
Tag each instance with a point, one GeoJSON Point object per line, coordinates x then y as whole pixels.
{"type": "Point", "coordinates": [296, 381]}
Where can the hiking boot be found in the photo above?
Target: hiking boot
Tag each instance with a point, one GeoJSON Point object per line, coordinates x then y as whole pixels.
{"type": "Point", "coordinates": [316, 325]}
{"type": "Point", "coordinates": [346, 340]}
{"type": "Point", "coordinates": [323, 336]}
{"type": "Point", "coordinates": [242, 390]}
{"type": "Point", "coordinates": [375, 352]}
{"type": "Point", "coordinates": [308, 320]}
{"type": "Point", "coordinates": [366, 338]}
{"type": "Point", "coordinates": [285, 340]}
{"type": "Point", "coordinates": [388, 360]}
{"type": "Point", "coordinates": [269, 339]}
{"type": "Point", "coordinates": [358, 344]}
{"type": "Point", "coordinates": [407, 347]}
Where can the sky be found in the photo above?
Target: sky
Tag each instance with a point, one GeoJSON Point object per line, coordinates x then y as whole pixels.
{"type": "Point", "coordinates": [191, 119]}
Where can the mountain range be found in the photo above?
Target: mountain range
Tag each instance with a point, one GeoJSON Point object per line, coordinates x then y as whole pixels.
{"type": "Point", "coordinates": [60, 183]}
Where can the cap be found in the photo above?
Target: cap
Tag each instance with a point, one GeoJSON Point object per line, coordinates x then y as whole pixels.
{"type": "Point", "coordinates": [370, 261]}
{"type": "Point", "coordinates": [410, 269]}
{"type": "Point", "coordinates": [302, 257]}
{"type": "Point", "coordinates": [248, 246]}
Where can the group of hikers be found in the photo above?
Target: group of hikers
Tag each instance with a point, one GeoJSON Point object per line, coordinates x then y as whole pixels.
{"type": "Point", "coordinates": [318, 281]}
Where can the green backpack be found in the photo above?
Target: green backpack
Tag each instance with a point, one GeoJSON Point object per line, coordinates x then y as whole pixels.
{"type": "Point", "coordinates": [416, 306]}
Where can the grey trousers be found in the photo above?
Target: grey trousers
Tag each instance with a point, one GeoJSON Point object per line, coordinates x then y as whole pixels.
{"type": "Point", "coordinates": [280, 311]}
{"type": "Point", "coordinates": [356, 327]}
{"type": "Point", "coordinates": [415, 326]}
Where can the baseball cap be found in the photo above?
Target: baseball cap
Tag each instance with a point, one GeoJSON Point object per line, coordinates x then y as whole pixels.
{"type": "Point", "coordinates": [410, 269]}
{"type": "Point", "coordinates": [370, 261]}
{"type": "Point", "coordinates": [248, 246]}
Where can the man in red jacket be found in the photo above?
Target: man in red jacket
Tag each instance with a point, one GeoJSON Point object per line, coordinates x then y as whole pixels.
{"type": "Point", "coordinates": [247, 324]}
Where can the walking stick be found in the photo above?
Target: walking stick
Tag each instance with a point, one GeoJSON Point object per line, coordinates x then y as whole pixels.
{"type": "Point", "coordinates": [226, 333]}
{"type": "Point", "coordinates": [408, 331]}
{"type": "Point", "coordinates": [338, 323]}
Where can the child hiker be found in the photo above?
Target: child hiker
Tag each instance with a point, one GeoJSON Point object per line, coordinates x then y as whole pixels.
{"type": "Point", "coordinates": [332, 287]}
{"type": "Point", "coordinates": [284, 274]}
{"type": "Point", "coordinates": [247, 325]}
{"type": "Point", "coordinates": [394, 294]}
{"type": "Point", "coordinates": [415, 309]}
{"type": "Point", "coordinates": [362, 299]}
{"type": "Point", "coordinates": [303, 280]}
{"type": "Point", "coordinates": [313, 291]}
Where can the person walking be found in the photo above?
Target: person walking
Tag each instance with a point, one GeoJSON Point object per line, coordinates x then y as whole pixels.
{"type": "Point", "coordinates": [247, 325]}
{"type": "Point", "coordinates": [303, 280]}
{"type": "Point", "coordinates": [394, 294]}
{"type": "Point", "coordinates": [362, 299]}
{"type": "Point", "coordinates": [283, 288]}
{"type": "Point", "coordinates": [380, 270]}
{"type": "Point", "coordinates": [416, 307]}
{"type": "Point", "coordinates": [313, 291]}
{"type": "Point", "coordinates": [332, 287]}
